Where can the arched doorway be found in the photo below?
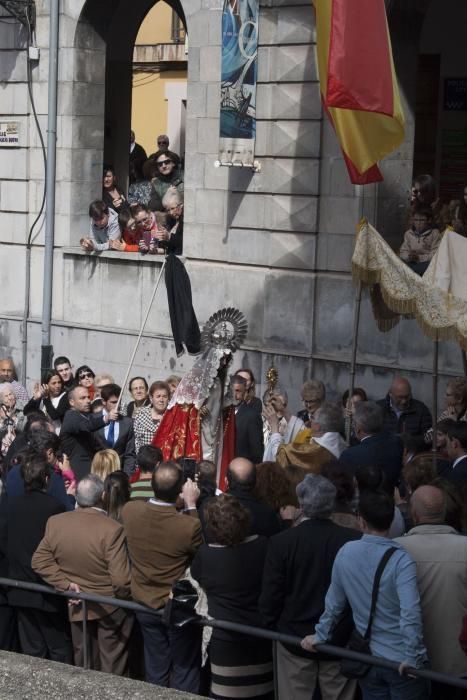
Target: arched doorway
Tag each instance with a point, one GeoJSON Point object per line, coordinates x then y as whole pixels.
{"type": "Point", "coordinates": [102, 89]}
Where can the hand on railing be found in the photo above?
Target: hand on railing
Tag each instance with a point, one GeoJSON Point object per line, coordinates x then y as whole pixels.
{"type": "Point", "coordinates": [76, 589]}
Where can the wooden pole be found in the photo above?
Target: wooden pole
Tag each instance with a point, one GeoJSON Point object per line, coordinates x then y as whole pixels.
{"type": "Point", "coordinates": [130, 364]}
{"type": "Point", "coordinates": [353, 359]}
{"type": "Point", "coordinates": [435, 398]}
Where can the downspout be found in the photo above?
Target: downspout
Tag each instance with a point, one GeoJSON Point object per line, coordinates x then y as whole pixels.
{"type": "Point", "coordinates": [46, 347]}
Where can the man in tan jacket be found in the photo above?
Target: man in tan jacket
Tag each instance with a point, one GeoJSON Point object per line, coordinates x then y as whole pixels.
{"type": "Point", "coordinates": [162, 543]}
{"type": "Point", "coordinates": [440, 553]}
{"type": "Point", "coordinates": [85, 550]}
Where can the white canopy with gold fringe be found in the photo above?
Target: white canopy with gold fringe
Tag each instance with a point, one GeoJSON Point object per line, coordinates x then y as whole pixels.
{"type": "Point", "coordinates": [438, 300]}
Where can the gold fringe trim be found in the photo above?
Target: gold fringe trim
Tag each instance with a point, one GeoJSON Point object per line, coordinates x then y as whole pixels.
{"type": "Point", "coordinates": [406, 307]}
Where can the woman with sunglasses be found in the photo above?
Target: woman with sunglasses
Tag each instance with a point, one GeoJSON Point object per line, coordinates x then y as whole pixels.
{"type": "Point", "coordinates": [85, 377]}
{"type": "Point", "coordinates": [150, 229]}
{"type": "Point", "coordinates": [164, 173]}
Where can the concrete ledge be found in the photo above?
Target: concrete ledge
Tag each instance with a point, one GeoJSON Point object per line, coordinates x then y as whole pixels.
{"type": "Point", "coordinates": [114, 255]}
{"type": "Point", "coordinates": [27, 677]}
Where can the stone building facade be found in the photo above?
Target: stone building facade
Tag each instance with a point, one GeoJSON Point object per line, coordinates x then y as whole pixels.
{"type": "Point", "coordinates": [276, 244]}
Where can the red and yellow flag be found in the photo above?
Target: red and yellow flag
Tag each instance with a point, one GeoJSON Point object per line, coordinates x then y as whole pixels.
{"type": "Point", "coordinates": [358, 83]}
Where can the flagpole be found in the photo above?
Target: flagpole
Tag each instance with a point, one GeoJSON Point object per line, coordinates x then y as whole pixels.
{"type": "Point", "coordinates": [356, 325]}
{"type": "Point", "coordinates": [435, 399]}
{"type": "Point", "coordinates": [141, 330]}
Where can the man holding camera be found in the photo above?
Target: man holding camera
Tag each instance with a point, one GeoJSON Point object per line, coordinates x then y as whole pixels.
{"type": "Point", "coordinates": [162, 543]}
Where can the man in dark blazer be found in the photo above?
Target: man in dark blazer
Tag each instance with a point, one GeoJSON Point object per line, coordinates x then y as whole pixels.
{"type": "Point", "coordinates": [297, 574]}
{"type": "Point", "coordinates": [456, 445]}
{"type": "Point", "coordinates": [248, 424]}
{"type": "Point", "coordinates": [42, 619]}
{"type": "Point", "coordinates": [85, 550]}
{"type": "Point", "coordinates": [77, 434]}
{"type": "Point", "coordinates": [401, 412]}
{"type": "Point", "coordinates": [241, 479]}
{"type": "Point", "coordinates": [117, 435]}
{"type": "Point", "coordinates": [375, 447]}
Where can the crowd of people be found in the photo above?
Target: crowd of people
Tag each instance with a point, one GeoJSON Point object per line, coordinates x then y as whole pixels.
{"type": "Point", "coordinates": [429, 217]}
{"type": "Point", "coordinates": [149, 219]}
{"type": "Point", "coordinates": [323, 511]}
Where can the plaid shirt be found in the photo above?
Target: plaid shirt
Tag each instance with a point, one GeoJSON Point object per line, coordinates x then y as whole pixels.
{"type": "Point", "coordinates": [19, 391]}
{"type": "Point", "coordinates": [145, 427]}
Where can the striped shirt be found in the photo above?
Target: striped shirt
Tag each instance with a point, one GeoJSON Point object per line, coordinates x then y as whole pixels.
{"type": "Point", "coordinates": [141, 490]}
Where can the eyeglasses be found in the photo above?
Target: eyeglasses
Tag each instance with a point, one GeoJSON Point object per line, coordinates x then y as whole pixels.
{"type": "Point", "coordinates": [163, 162]}
{"type": "Point", "coordinates": [85, 375]}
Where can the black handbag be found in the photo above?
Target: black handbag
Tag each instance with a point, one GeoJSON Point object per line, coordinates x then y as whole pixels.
{"type": "Point", "coordinates": [180, 608]}
{"type": "Point", "coordinates": [361, 643]}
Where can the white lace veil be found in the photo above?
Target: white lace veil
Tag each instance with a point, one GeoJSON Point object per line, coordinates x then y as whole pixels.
{"type": "Point", "coordinates": [197, 382]}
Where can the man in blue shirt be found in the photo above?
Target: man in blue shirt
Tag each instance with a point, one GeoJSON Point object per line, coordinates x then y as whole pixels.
{"type": "Point", "coordinates": [397, 632]}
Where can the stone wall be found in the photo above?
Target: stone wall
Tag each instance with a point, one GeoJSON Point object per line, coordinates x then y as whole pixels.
{"type": "Point", "coordinates": [277, 244]}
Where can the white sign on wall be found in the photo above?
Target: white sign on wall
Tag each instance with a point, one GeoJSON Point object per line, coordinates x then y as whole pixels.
{"type": "Point", "coordinates": [9, 134]}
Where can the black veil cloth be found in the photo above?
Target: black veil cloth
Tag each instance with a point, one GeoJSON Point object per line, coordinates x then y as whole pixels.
{"type": "Point", "coordinates": [185, 328]}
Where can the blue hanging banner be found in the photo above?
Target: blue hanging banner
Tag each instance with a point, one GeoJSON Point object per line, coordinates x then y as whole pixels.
{"type": "Point", "coordinates": [238, 82]}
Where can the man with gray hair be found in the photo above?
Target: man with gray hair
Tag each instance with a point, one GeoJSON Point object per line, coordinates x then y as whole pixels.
{"type": "Point", "coordinates": [303, 556]}
{"type": "Point", "coordinates": [376, 447]}
{"type": "Point", "coordinates": [326, 442]}
{"type": "Point", "coordinates": [85, 550]}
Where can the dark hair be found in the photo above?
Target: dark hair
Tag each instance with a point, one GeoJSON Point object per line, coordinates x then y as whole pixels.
{"type": "Point", "coordinates": [109, 169]}
{"type": "Point", "coordinates": [36, 420]}
{"type": "Point", "coordinates": [156, 386]}
{"type": "Point", "coordinates": [139, 207]}
{"type": "Point", "coordinates": [97, 209]}
{"type": "Point", "coordinates": [444, 425]}
{"type": "Point", "coordinates": [83, 368]}
{"type": "Point", "coordinates": [133, 379]}
{"type": "Point", "coordinates": [413, 443]}
{"type": "Point", "coordinates": [371, 477]}
{"type": "Point", "coordinates": [168, 154]}
{"type": "Point", "coordinates": [207, 474]}
{"type": "Point", "coordinates": [427, 187]}
{"type": "Point", "coordinates": [148, 458]}
{"type": "Point", "coordinates": [377, 509]}
{"type": "Point", "coordinates": [123, 218]}
{"type": "Point", "coordinates": [109, 390]}
{"type": "Point", "coordinates": [48, 374]}
{"type": "Point", "coordinates": [117, 492]}
{"type": "Point", "coordinates": [356, 392]}
{"type": "Point", "coordinates": [34, 471]}
{"type": "Point", "coordinates": [338, 474]}
{"type": "Point", "coordinates": [167, 481]}
{"type": "Point", "coordinates": [227, 522]}
{"type": "Point", "coordinates": [42, 440]}
{"type": "Point", "coordinates": [459, 432]}
{"type": "Point", "coordinates": [61, 360]}
{"type": "Point", "coordinates": [272, 486]}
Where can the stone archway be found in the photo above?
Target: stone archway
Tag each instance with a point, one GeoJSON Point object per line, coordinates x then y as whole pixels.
{"type": "Point", "coordinates": [101, 92]}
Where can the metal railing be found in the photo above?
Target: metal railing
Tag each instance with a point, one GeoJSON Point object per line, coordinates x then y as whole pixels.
{"type": "Point", "coordinates": [259, 632]}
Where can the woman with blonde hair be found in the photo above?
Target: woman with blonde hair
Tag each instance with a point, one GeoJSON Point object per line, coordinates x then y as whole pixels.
{"type": "Point", "coordinates": [104, 463]}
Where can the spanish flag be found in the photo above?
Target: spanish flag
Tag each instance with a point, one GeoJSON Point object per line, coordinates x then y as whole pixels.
{"type": "Point", "coordinates": [358, 83]}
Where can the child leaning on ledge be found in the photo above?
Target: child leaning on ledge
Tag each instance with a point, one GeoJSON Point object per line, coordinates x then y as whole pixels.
{"type": "Point", "coordinates": [421, 241]}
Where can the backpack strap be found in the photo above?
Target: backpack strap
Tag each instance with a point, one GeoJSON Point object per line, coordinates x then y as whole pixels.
{"type": "Point", "coordinates": [374, 596]}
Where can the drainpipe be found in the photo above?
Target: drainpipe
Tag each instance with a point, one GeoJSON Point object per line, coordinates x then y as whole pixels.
{"type": "Point", "coordinates": [46, 347]}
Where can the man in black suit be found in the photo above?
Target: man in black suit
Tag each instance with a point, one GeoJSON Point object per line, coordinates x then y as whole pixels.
{"type": "Point", "coordinates": [375, 447]}
{"type": "Point", "coordinates": [117, 435]}
{"type": "Point", "coordinates": [241, 479]}
{"type": "Point", "coordinates": [297, 574]}
{"type": "Point", "coordinates": [401, 412]}
{"type": "Point", "coordinates": [42, 619]}
{"type": "Point", "coordinates": [137, 159]}
{"type": "Point", "coordinates": [456, 445]}
{"type": "Point", "coordinates": [77, 434]}
{"type": "Point", "coordinates": [248, 424]}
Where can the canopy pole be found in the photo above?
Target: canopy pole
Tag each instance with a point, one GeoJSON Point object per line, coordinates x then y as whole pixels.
{"type": "Point", "coordinates": [435, 398]}
{"type": "Point", "coordinates": [353, 359]}
{"type": "Point", "coordinates": [143, 325]}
